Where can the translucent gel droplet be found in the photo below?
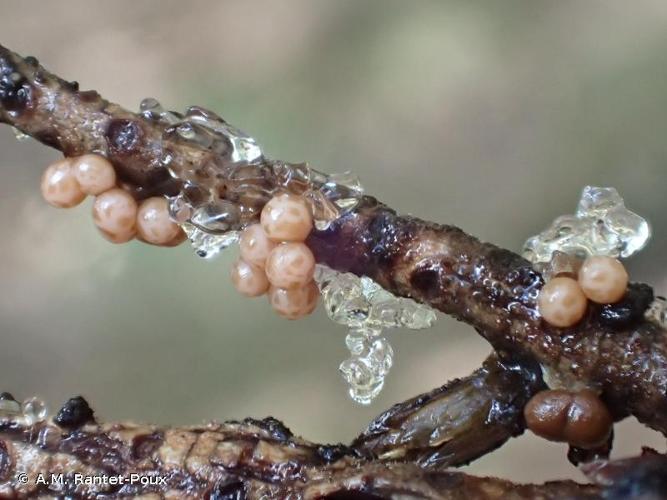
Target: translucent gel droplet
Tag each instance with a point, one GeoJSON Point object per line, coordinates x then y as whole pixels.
{"type": "Point", "coordinates": [657, 312]}
{"type": "Point", "coordinates": [294, 177]}
{"type": "Point", "coordinates": [416, 316]}
{"type": "Point", "coordinates": [359, 339]}
{"type": "Point", "coordinates": [234, 171]}
{"type": "Point", "coordinates": [355, 343]}
{"type": "Point", "coordinates": [380, 356]}
{"type": "Point", "coordinates": [34, 410]}
{"type": "Point", "coordinates": [152, 110]}
{"type": "Point", "coordinates": [224, 189]}
{"type": "Point", "coordinates": [602, 226]}
{"type": "Point", "coordinates": [323, 276]}
{"type": "Point", "coordinates": [631, 230]}
{"type": "Point", "coordinates": [347, 180]}
{"type": "Point", "coordinates": [386, 314]}
{"type": "Point", "coordinates": [207, 245]}
{"type": "Point", "coordinates": [349, 312]}
{"type": "Point", "coordinates": [344, 301]}
{"type": "Point", "coordinates": [20, 136]}
{"type": "Point", "coordinates": [245, 148]}
{"type": "Point", "coordinates": [338, 287]}
{"type": "Point", "coordinates": [149, 104]}
{"type": "Point", "coordinates": [186, 131]}
{"type": "Point", "coordinates": [180, 209]}
{"type": "Point", "coordinates": [343, 190]}
{"type": "Point", "coordinates": [360, 302]}
{"type": "Point", "coordinates": [216, 217]}
{"type": "Point", "coordinates": [561, 264]}
{"type": "Point", "coordinates": [597, 201]}
{"type": "Point", "coordinates": [364, 386]}
{"type": "Point", "coordinates": [367, 309]}
{"type": "Point", "coordinates": [368, 332]}
{"type": "Point", "coordinates": [357, 373]}
{"type": "Point", "coordinates": [9, 408]}
{"type": "Point", "coordinates": [371, 360]}
{"type": "Point", "coordinates": [324, 211]}
{"type": "Point", "coordinates": [372, 291]}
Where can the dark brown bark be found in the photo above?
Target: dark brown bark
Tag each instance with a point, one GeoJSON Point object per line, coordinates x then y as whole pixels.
{"type": "Point", "coordinates": [614, 348]}
{"type": "Point", "coordinates": [252, 459]}
{"type": "Point", "coordinates": [257, 459]}
{"type": "Point", "coordinates": [456, 423]}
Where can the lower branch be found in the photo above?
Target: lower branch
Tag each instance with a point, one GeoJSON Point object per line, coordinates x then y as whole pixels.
{"type": "Point", "coordinates": [257, 459]}
{"type": "Point", "coordinates": [252, 459]}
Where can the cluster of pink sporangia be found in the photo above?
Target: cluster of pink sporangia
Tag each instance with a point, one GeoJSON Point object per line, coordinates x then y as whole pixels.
{"type": "Point", "coordinates": [564, 298]}
{"type": "Point", "coordinates": [275, 260]}
{"type": "Point", "coordinates": [116, 213]}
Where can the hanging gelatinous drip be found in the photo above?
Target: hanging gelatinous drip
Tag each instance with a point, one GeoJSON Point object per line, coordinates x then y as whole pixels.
{"type": "Point", "coordinates": [225, 189]}
{"type": "Point", "coordinates": [367, 310]}
{"type": "Point", "coordinates": [601, 226]}
{"type": "Point", "coordinates": [371, 360]}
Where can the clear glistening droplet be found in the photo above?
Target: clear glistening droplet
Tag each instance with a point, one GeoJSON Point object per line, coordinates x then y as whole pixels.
{"type": "Point", "coordinates": [34, 410]}
{"type": "Point", "coordinates": [9, 408]}
{"type": "Point", "coordinates": [367, 310]}
{"type": "Point", "coordinates": [20, 136]}
{"type": "Point", "coordinates": [207, 245]}
{"type": "Point", "coordinates": [364, 386]}
{"type": "Point", "coordinates": [561, 264]}
{"type": "Point", "coordinates": [224, 189]}
{"type": "Point", "coordinates": [323, 210]}
{"type": "Point", "coordinates": [216, 217]}
{"type": "Point", "coordinates": [657, 312]}
{"type": "Point", "coordinates": [601, 226]}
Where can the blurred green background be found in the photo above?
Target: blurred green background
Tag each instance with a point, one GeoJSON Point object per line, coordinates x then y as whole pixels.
{"type": "Point", "coordinates": [488, 115]}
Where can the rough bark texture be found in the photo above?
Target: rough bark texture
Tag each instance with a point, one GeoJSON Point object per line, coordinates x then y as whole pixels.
{"type": "Point", "coordinates": [456, 423]}
{"type": "Point", "coordinates": [257, 459]}
{"type": "Point", "coordinates": [252, 459]}
{"type": "Point", "coordinates": [614, 349]}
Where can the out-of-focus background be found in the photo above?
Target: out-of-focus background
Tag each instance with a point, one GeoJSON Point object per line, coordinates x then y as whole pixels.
{"type": "Point", "coordinates": [488, 115]}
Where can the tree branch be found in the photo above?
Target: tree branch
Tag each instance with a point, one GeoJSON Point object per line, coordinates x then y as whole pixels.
{"type": "Point", "coordinates": [256, 459]}
{"type": "Point", "coordinates": [252, 459]}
